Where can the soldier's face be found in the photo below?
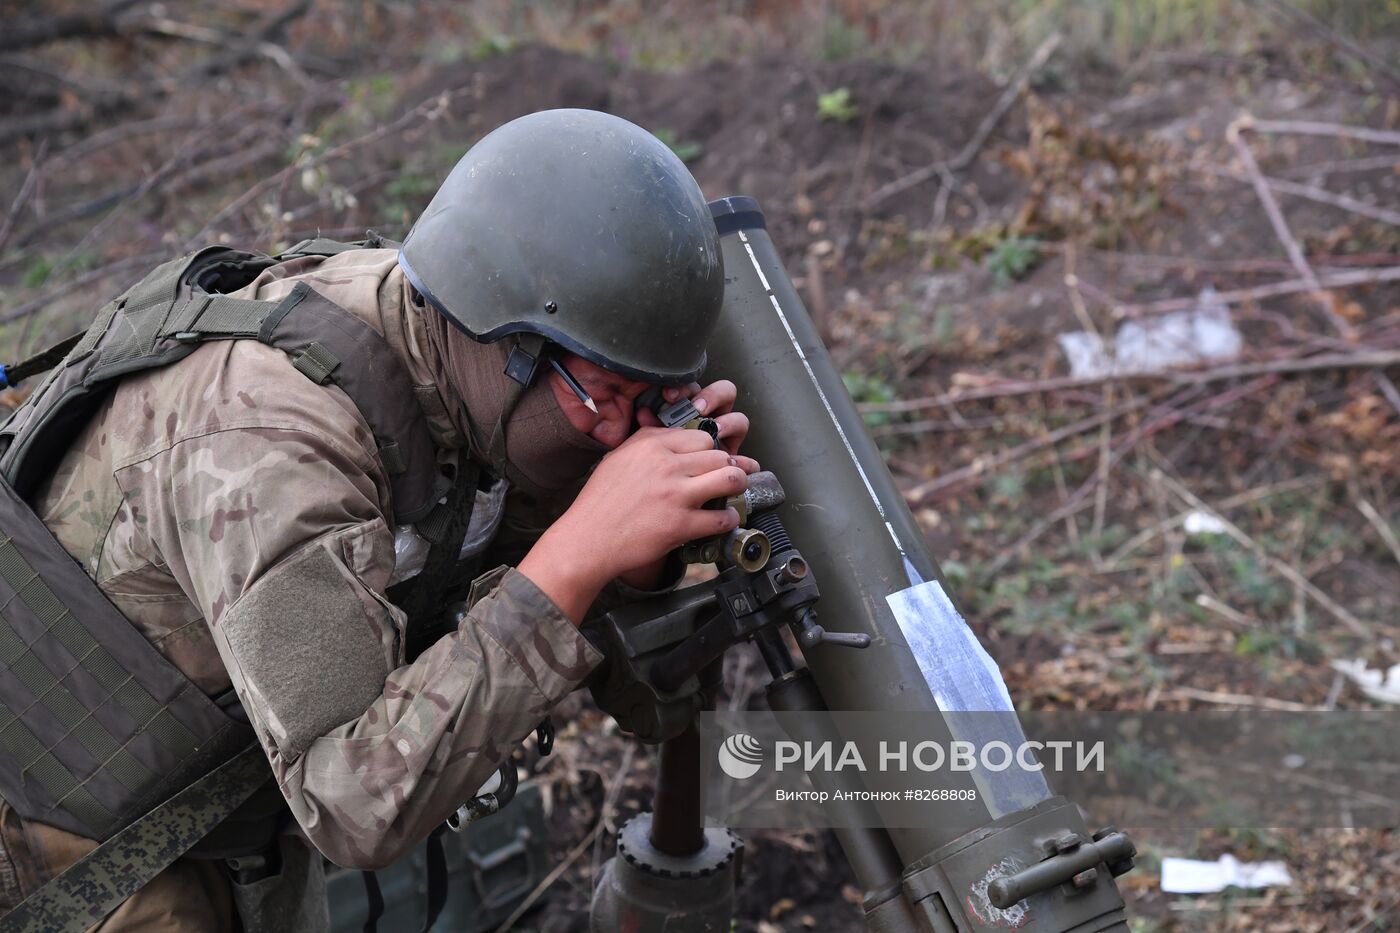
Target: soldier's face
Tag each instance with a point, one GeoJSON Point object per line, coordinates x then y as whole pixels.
{"type": "Point", "coordinates": [615, 396]}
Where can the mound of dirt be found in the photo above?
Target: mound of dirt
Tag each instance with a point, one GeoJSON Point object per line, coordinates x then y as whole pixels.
{"type": "Point", "coordinates": [751, 127]}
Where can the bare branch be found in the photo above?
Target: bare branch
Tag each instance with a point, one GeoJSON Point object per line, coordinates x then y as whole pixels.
{"type": "Point", "coordinates": [1282, 568]}
{"type": "Point", "coordinates": [1378, 522]}
{"type": "Point", "coordinates": [1361, 359]}
{"type": "Point", "coordinates": [983, 466]}
{"type": "Point", "coordinates": [1272, 290]}
{"type": "Point", "coordinates": [1235, 134]}
{"type": "Point", "coordinates": [1314, 128]}
{"type": "Point", "coordinates": [1311, 192]}
{"type": "Point", "coordinates": [969, 152]}
{"type": "Point", "coordinates": [88, 24]}
{"type": "Point", "coordinates": [26, 189]}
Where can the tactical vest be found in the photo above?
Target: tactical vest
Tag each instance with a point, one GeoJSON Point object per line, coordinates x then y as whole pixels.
{"type": "Point", "coordinates": [97, 726]}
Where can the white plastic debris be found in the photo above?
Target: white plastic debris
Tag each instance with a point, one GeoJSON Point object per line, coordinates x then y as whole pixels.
{"type": "Point", "coordinates": [1203, 523]}
{"type": "Point", "coordinates": [1383, 686]}
{"type": "Point", "coordinates": [410, 553]}
{"type": "Point", "coordinates": [1190, 876]}
{"type": "Point", "coordinates": [411, 548]}
{"type": "Point", "coordinates": [1186, 338]}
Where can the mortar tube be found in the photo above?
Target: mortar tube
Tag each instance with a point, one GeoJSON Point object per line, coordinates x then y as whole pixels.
{"type": "Point", "coordinates": [845, 513]}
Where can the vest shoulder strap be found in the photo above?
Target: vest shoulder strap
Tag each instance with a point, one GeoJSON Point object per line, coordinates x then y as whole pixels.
{"type": "Point", "coordinates": [184, 303]}
{"type": "Point", "coordinates": [325, 246]}
{"type": "Point", "coordinates": [96, 884]}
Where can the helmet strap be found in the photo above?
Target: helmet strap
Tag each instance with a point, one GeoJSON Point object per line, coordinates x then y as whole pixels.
{"type": "Point", "coordinates": [522, 366]}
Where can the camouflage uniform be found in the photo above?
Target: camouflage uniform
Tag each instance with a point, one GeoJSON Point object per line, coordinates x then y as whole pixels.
{"type": "Point", "coordinates": [194, 488]}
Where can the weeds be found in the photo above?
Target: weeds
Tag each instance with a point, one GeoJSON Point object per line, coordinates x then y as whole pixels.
{"type": "Point", "coordinates": [866, 388]}
{"type": "Point", "coordinates": [407, 194]}
{"type": "Point", "coordinates": [837, 106]}
{"type": "Point", "coordinates": [1012, 258]}
{"type": "Point", "coordinates": [686, 150]}
{"type": "Point", "coordinates": [491, 45]}
{"type": "Point", "coordinates": [37, 273]}
{"type": "Point", "coordinates": [841, 40]}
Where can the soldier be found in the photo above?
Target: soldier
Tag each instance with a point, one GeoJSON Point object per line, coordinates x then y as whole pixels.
{"type": "Point", "coordinates": [238, 507]}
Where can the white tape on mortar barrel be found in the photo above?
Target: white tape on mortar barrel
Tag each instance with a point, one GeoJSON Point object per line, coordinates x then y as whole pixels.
{"type": "Point", "coordinates": [964, 679]}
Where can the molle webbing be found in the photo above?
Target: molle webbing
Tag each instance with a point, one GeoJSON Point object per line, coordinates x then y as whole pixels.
{"type": "Point", "coordinates": [97, 726]}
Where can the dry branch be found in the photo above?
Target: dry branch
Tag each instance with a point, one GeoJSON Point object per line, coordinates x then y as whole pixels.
{"type": "Point", "coordinates": [1378, 522]}
{"type": "Point", "coordinates": [1241, 699]}
{"type": "Point", "coordinates": [1235, 134]}
{"type": "Point", "coordinates": [1230, 613]}
{"type": "Point", "coordinates": [981, 466]}
{"type": "Point", "coordinates": [1392, 394]}
{"type": "Point", "coordinates": [1341, 166]}
{"type": "Point", "coordinates": [257, 42]}
{"type": "Point", "coordinates": [1360, 359]}
{"type": "Point", "coordinates": [1250, 495]}
{"type": "Point", "coordinates": [89, 24]}
{"type": "Point", "coordinates": [61, 119]}
{"type": "Point", "coordinates": [1314, 128]}
{"type": "Point", "coordinates": [1282, 568]}
{"type": "Point", "coordinates": [1163, 417]}
{"type": "Point", "coordinates": [427, 111]}
{"type": "Point", "coordinates": [1255, 293]}
{"type": "Point", "coordinates": [973, 148]}
{"type": "Point", "coordinates": [1311, 192]}
{"type": "Point", "coordinates": [31, 180]}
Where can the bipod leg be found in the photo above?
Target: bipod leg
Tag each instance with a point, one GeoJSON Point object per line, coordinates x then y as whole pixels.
{"type": "Point", "coordinates": [670, 874]}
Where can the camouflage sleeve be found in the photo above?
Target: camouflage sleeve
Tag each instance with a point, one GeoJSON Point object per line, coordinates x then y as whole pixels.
{"type": "Point", "coordinates": [278, 534]}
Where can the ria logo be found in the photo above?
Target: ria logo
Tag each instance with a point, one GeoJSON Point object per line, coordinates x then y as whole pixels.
{"type": "Point", "coordinates": [741, 756]}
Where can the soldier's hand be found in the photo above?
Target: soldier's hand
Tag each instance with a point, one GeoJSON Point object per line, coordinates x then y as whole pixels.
{"type": "Point", "coordinates": [643, 500]}
{"type": "Point", "coordinates": [716, 401]}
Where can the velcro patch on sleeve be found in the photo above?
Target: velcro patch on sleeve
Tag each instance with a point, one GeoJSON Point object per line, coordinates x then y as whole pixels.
{"type": "Point", "coordinates": [309, 656]}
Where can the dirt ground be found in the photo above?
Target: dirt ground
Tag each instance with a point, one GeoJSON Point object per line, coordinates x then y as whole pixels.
{"type": "Point", "coordinates": [1105, 190]}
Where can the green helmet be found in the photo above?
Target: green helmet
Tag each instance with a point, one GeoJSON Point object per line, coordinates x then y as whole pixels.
{"type": "Point", "coordinates": [582, 228]}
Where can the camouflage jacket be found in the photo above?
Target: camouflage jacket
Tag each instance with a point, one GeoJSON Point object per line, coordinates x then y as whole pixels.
{"type": "Point", "coordinates": [195, 487]}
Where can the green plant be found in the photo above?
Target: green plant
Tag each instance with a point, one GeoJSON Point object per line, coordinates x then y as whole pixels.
{"type": "Point", "coordinates": [1011, 258]}
{"type": "Point", "coordinates": [865, 388]}
{"type": "Point", "coordinates": [840, 41]}
{"type": "Point", "coordinates": [955, 572]}
{"type": "Point", "coordinates": [837, 105]}
{"type": "Point", "coordinates": [944, 324]}
{"type": "Point", "coordinates": [407, 193]}
{"type": "Point", "coordinates": [489, 46]}
{"type": "Point", "coordinates": [685, 150]}
{"type": "Point", "coordinates": [1010, 488]}
{"type": "Point", "coordinates": [38, 273]}
{"type": "Point", "coordinates": [1256, 581]}
{"type": "Point", "coordinates": [375, 95]}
